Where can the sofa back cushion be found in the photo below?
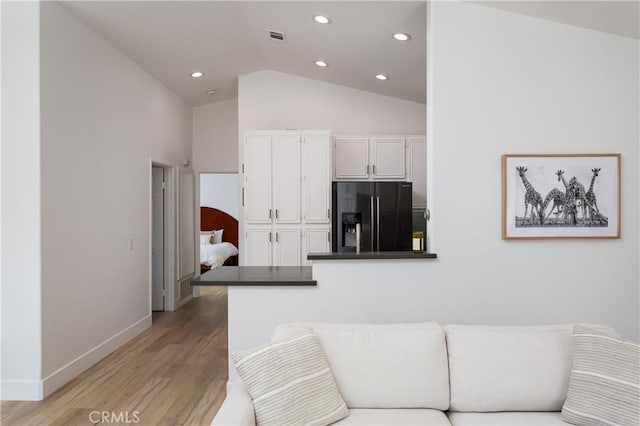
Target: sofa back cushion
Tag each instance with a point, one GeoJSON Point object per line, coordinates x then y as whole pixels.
{"type": "Point", "coordinates": [509, 368]}
{"type": "Point", "coordinates": [384, 366]}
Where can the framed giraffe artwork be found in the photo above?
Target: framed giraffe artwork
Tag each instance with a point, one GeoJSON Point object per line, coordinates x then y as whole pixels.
{"type": "Point", "coordinates": [560, 196]}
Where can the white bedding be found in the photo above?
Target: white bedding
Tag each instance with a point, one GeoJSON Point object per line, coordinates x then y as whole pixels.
{"type": "Point", "coordinates": [215, 254]}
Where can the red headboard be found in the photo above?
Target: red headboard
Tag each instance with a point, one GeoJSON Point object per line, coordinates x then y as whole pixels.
{"type": "Point", "coordinates": [211, 219]}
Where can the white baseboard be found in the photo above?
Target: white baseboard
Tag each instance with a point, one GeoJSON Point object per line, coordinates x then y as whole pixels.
{"type": "Point", "coordinates": [180, 303]}
{"type": "Point", "coordinates": [14, 390]}
{"type": "Point", "coordinates": [68, 372]}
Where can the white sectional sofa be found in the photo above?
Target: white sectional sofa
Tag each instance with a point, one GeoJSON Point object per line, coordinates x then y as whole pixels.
{"type": "Point", "coordinates": [426, 374]}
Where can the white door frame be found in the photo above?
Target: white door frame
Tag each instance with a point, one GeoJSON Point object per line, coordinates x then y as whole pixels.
{"type": "Point", "coordinates": [170, 176]}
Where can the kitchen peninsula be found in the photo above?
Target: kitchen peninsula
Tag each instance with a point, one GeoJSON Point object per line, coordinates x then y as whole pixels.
{"type": "Point", "coordinates": [256, 276]}
{"type": "Point", "coordinates": [371, 255]}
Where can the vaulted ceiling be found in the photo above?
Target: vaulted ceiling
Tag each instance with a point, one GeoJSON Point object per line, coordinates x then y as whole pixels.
{"type": "Point", "coordinates": [224, 39]}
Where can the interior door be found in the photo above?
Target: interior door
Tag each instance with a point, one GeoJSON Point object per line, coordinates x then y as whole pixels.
{"type": "Point", "coordinates": [286, 177]}
{"type": "Point", "coordinates": [157, 238]}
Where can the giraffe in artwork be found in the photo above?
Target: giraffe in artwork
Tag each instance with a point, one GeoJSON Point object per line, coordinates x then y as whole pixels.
{"type": "Point", "coordinates": [559, 200]}
{"type": "Point", "coordinates": [531, 197]}
{"type": "Point", "coordinates": [590, 195]}
{"type": "Point", "coordinates": [575, 195]}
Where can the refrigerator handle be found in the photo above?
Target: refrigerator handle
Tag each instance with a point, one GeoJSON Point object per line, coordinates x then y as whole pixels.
{"type": "Point", "coordinates": [372, 228]}
{"type": "Point", "coordinates": [377, 223]}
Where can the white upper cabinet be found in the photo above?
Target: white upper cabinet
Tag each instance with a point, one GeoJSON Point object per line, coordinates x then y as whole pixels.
{"type": "Point", "coordinates": [418, 170]}
{"type": "Point", "coordinates": [286, 247]}
{"type": "Point", "coordinates": [286, 177]}
{"type": "Point", "coordinates": [370, 158]}
{"type": "Point", "coordinates": [351, 158]}
{"type": "Point", "coordinates": [257, 178]}
{"type": "Point", "coordinates": [388, 158]}
{"type": "Point", "coordinates": [316, 170]}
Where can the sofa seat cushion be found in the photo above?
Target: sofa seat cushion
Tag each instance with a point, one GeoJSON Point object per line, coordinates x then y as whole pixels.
{"type": "Point", "coordinates": [509, 368]}
{"type": "Point", "coordinates": [510, 418]}
{"type": "Point", "coordinates": [384, 366]}
{"type": "Point", "coordinates": [394, 417]}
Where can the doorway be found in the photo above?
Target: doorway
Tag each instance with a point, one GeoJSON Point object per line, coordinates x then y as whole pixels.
{"type": "Point", "coordinates": [158, 288]}
{"type": "Point", "coordinates": [219, 202]}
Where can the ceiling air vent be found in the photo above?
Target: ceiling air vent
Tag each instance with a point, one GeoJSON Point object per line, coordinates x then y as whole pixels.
{"type": "Point", "coordinates": [276, 36]}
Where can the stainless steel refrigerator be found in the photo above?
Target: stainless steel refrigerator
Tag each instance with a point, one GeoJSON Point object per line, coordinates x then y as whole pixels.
{"type": "Point", "coordinates": [378, 212]}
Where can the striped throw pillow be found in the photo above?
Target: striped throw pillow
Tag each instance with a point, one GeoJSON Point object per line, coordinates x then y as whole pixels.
{"type": "Point", "coordinates": [604, 388]}
{"type": "Point", "coordinates": [291, 383]}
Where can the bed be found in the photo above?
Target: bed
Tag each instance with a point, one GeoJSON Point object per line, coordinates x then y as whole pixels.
{"type": "Point", "coordinates": [224, 253]}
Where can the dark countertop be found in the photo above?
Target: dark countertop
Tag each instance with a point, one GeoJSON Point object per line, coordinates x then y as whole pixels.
{"type": "Point", "coordinates": [256, 276]}
{"type": "Point", "coordinates": [369, 255]}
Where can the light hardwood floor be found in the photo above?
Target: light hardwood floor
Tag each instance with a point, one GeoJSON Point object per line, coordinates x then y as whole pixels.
{"type": "Point", "coordinates": [174, 373]}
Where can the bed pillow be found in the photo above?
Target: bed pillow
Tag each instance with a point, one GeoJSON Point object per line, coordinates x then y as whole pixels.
{"type": "Point", "coordinates": [291, 383]}
{"type": "Point", "coordinates": [217, 236]}
{"type": "Point", "coordinates": [206, 237]}
{"type": "Point", "coordinates": [604, 388]}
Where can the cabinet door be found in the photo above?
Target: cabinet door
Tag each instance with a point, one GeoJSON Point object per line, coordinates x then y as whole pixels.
{"type": "Point", "coordinates": [388, 158]}
{"type": "Point", "coordinates": [286, 177]}
{"type": "Point", "coordinates": [257, 247]}
{"type": "Point", "coordinates": [316, 240]}
{"type": "Point", "coordinates": [418, 170]}
{"type": "Point", "coordinates": [351, 158]}
{"type": "Point", "coordinates": [257, 179]}
{"type": "Point", "coordinates": [286, 247]}
{"type": "Point", "coordinates": [316, 171]}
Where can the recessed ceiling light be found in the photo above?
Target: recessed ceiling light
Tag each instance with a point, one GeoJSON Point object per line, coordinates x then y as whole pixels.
{"type": "Point", "coordinates": [321, 19]}
{"type": "Point", "coordinates": [211, 92]}
{"type": "Point", "coordinates": [322, 64]}
{"type": "Point", "coordinates": [382, 77]}
{"type": "Point", "coordinates": [402, 37]}
{"type": "Point", "coordinates": [196, 74]}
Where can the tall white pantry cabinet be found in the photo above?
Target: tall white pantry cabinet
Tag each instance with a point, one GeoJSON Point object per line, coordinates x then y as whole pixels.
{"type": "Point", "coordinates": [286, 196]}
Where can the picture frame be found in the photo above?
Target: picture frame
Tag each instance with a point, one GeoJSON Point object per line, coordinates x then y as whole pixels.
{"type": "Point", "coordinates": [559, 196]}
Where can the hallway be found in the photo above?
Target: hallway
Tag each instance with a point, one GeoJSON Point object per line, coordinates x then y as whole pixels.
{"type": "Point", "coordinates": [173, 373]}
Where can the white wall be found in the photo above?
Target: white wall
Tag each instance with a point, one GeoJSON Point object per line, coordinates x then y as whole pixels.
{"type": "Point", "coordinates": [220, 190]}
{"type": "Point", "coordinates": [270, 100]}
{"type": "Point", "coordinates": [21, 246]}
{"type": "Point", "coordinates": [215, 137]}
{"type": "Point", "coordinates": [274, 100]}
{"type": "Point", "coordinates": [103, 120]}
{"type": "Point", "coordinates": [501, 83]}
